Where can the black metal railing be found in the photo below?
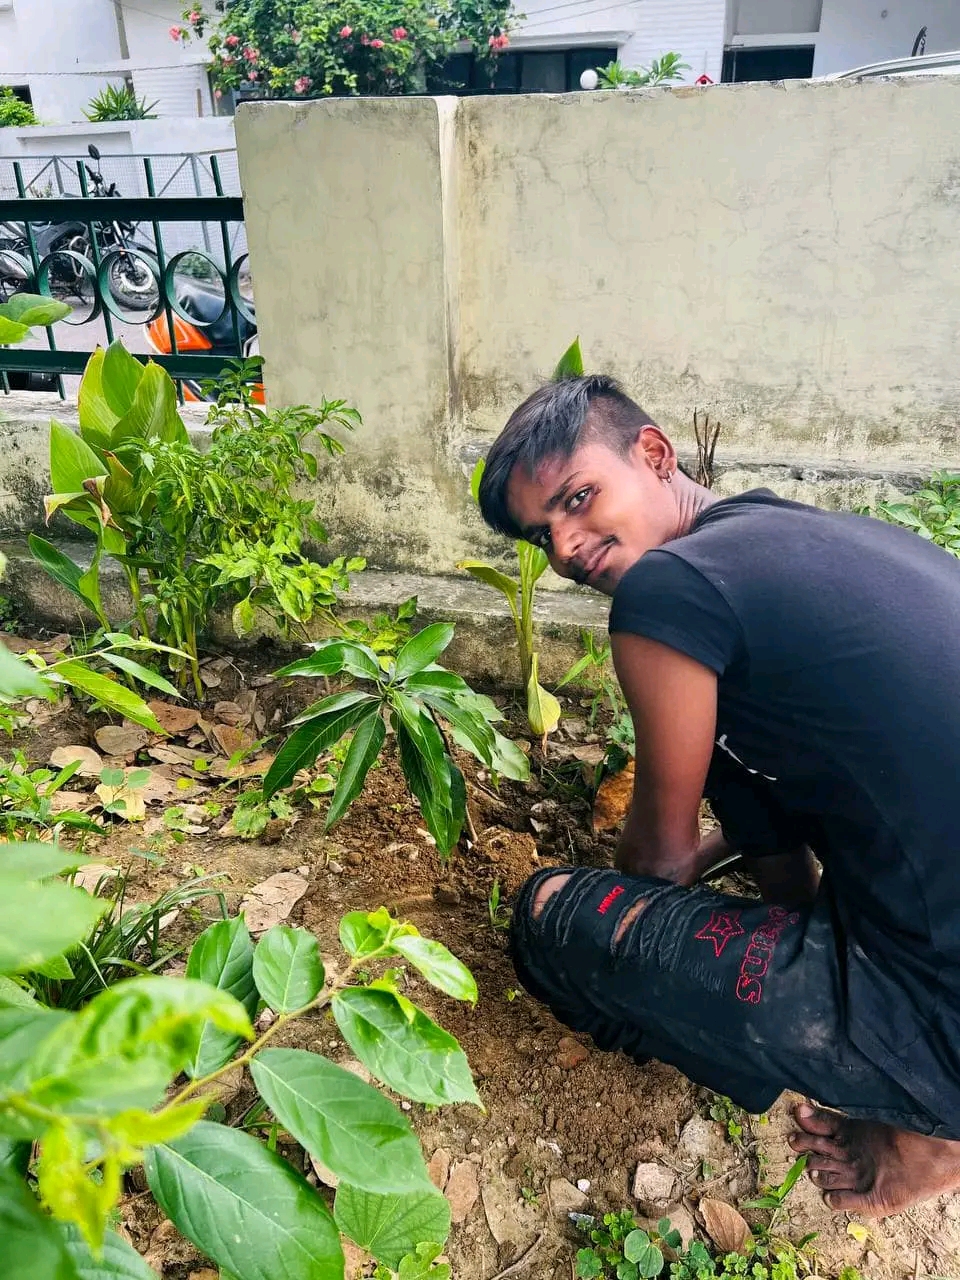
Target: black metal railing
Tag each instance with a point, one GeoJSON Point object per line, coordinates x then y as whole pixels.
{"type": "Point", "coordinates": [109, 258]}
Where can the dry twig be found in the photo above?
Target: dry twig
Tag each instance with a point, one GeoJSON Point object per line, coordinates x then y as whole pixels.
{"type": "Point", "coordinates": [514, 1267]}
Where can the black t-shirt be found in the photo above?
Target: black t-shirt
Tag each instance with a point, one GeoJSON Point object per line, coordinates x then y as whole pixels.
{"type": "Point", "coordinates": [836, 642]}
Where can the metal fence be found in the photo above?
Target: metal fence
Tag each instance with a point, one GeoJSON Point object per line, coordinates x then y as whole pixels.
{"type": "Point", "coordinates": [171, 251]}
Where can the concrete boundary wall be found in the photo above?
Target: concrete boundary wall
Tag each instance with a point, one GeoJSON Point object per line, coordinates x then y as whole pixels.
{"type": "Point", "coordinates": [786, 256]}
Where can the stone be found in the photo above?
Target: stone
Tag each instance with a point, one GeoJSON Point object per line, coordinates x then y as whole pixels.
{"type": "Point", "coordinates": [335, 868]}
{"type": "Point", "coordinates": [653, 1186]}
{"type": "Point", "coordinates": [353, 859]}
{"type": "Point", "coordinates": [439, 1168]}
{"type": "Point", "coordinates": [448, 897]}
{"type": "Point", "coordinates": [565, 1197]}
{"type": "Point", "coordinates": [462, 1190]}
{"type": "Point", "coordinates": [700, 1139]}
{"type": "Point", "coordinates": [681, 1220]}
{"type": "Point", "coordinates": [583, 1184]}
{"type": "Point", "coordinates": [571, 1053]}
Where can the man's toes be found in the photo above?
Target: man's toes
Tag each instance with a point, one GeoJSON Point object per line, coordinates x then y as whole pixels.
{"type": "Point", "coordinates": [814, 1120]}
{"type": "Point", "coordinates": [825, 1164]}
{"type": "Point", "coordinates": [815, 1144]}
{"type": "Point", "coordinates": [841, 1178]}
{"type": "Point", "coordinates": [854, 1202]}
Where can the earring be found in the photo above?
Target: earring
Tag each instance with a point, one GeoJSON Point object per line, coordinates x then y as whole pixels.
{"type": "Point", "coordinates": [668, 477]}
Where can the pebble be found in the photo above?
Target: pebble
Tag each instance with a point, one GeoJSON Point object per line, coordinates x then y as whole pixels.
{"type": "Point", "coordinates": [335, 868]}
{"type": "Point", "coordinates": [583, 1184]}
{"type": "Point", "coordinates": [565, 1197]}
{"type": "Point", "coordinates": [404, 1105]}
{"type": "Point", "coordinates": [353, 858]}
{"type": "Point", "coordinates": [448, 897]}
{"type": "Point", "coordinates": [266, 1019]}
{"type": "Point", "coordinates": [571, 1053]}
{"type": "Point", "coordinates": [653, 1186]}
{"type": "Point", "coordinates": [463, 1190]}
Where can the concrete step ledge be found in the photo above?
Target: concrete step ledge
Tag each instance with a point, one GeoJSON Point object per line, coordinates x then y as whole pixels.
{"type": "Point", "coordinates": [484, 647]}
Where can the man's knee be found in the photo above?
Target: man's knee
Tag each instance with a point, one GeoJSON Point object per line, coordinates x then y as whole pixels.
{"type": "Point", "coordinates": [547, 890]}
{"type": "Point", "coordinates": [628, 918]}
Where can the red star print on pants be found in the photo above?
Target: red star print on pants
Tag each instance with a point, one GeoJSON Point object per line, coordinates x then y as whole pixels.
{"type": "Point", "coordinates": [720, 928]}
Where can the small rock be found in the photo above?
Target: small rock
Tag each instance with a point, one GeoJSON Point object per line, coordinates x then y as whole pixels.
{"type": "Point", "coordinates": [571, 1053]}
{"type": "Point", "coordinates": [549, 1146]}
{"type": "Point", "coordinates": [871, 1259]}
{"type": "Point", "coordinates": [425, 836]}
{"type": "Point", "coordinates": [335, 868]}
{"type": "Point", "coordinates": [266, 1019]}
{"type": "Point", "coordinates": [583, 1184]}
{"type": "Point", "coordinates": [448, 897]}
{"type": "Point", "coordinates": [565, 1197]}
{"type": "Point", "coordinates": [405, 1105]}
{"type": "Point", "coordinates": [439, 1168]}
{"type": "Point", "coordinates": [462, 1190]}
{"type": "Point", "coordinates": [326, 1176]}
{"type": "Point", "coordinates": [653, 1186]}
{"type": "Point", "coordinates": [682, 1221]}
{"type": "Point", "coordinates": [353, 859]}
{"type": "Point", "coordinates": [205, 1273]}
{"type": "Point", "coordinates": [700, 1139]}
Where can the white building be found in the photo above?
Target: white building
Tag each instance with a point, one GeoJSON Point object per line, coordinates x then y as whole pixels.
{"type": "Point", "coordinates": [60, 53]}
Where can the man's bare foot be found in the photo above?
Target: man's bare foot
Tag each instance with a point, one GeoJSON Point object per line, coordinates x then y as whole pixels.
{"type": "Point", "coordinates": [870, 1168]}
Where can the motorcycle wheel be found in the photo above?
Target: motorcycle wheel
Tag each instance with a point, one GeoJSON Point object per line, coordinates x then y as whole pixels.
{"type": "Point", "coordinates": [132, 282]}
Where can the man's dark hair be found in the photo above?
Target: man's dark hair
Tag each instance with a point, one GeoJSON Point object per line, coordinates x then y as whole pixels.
{"type": "Point", "coordinates": [552, 423]}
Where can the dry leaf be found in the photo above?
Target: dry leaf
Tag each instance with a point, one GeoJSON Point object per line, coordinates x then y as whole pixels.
{"type": "Point", "coordinates": [725, 1226]}
{"type": "Point", "coordinates": [172, 718]}
{"type": "Point", "coordinates": [89, 876]}
{"type": "Point", "coordinates": [121, 740]}
{"type": "Point", "coordinates": [613, 800]}
{"type": "Point", "coordinates": [69, 801]}
{"type": "Point", "coordinates": [271, 901]}
{"type": "Point", "coordinates": [130, 805]}
{"type": "Point", "coordinates": [184, 757]}
{"type": "Point", "coordinates": [859, 1232]}
{"type": "Point", "coordinates": [90, 761]}
{"type": "Point", "coordinates": [230, 713]}
{"type": "Point", "coordinates": [221, 768]}
{"type": "Point", "coordinates": [231, 739]}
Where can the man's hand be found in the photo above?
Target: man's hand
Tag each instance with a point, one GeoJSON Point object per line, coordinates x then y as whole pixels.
{"type": "Point", "coordinates": [673, 702]}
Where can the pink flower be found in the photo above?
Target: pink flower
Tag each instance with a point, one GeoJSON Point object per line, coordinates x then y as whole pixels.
{"type": "Point", "coordinates": [497, 43]}
{"type": "Point", "coordinates": [296, 37]}
{"type": "Point", "coordinates": [176, 34]}
{"type": "Point", "coordinates": [376, 44]}
{"type": "Point", "coordinates": [345, 32]}
{"type": "Point", "coordinates": [399, 33]}
{"type": "Point", "coordinates": [302, 84]}
{"type": "Point", "coordinates": [232, 41]}
{"type": "Point", "coordinates": [251, 55]}
{"type": "Point", "coordinates": [194, 17]}
{"type": "Point", "coordinates": [253, 75]}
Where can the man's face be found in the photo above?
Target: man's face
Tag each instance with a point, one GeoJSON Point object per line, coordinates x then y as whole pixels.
{"type": "Point", "coordinates": [597, 512]}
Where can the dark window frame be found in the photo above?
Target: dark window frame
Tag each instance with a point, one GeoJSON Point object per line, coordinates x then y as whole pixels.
{"type": "Point", "coordinates": [473, 74]}
{"type": "Point", "coordinates": [755, 56]}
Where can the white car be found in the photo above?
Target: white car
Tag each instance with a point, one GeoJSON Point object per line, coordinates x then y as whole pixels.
{"type": "Point", "coordinates": [928, 64]}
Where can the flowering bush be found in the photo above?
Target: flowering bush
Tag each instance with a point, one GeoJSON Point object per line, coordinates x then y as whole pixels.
{"type": "Point", "coordinates": [325, 47]}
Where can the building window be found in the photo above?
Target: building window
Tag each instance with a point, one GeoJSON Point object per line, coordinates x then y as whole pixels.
{"type": "Point", "coordinates": [525, 71]}
{"type": "Point", "coordinates": [22, 91]}
{"type": "Point", "coordinates": [793, 62]}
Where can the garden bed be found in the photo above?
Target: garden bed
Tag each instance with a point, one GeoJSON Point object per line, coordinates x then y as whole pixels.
{"type": "Point", "coordinates": [557, 1112]}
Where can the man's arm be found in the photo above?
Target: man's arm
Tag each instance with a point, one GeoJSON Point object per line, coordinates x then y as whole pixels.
{"type": "Point", "coordinates": [673, 702]}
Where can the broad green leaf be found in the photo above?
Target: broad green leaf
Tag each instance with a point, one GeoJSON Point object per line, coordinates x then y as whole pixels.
{"type": "Point", "coordinates": [326, 660]}
{"type": "Point", "coordinates": [287, 968]}
{"type": "Point", "coordinates": [12, 995]}
{"type": "Point", "coordinates": [422, 649]}
{"type": "Point", "coordinates": [97, 419]}
{"type": "Point", "coordinates": [244, 1206]}
{"type": "Point", "coordinates": [391, 1226]}
{"type": "Point", "coordinates": [543, 710]}
{"type": "Point", "coordinates": [154, 413]}
{"type": "Point", "coordinates": [430, 775]}
{"type": "Point", "coordinates": [473, 731]}
{"type": "Point", "coordinates": [335, 702]}
{"type": "Point", "coordinates": [117, 1261]}
{"type": "Point", "coordinates": [476, 476]}
{"type": "Point", "coordinates": [508, 760]}
{"type": "Point", "coordinates": [439, 966]}
{"type": "Point", "coordinates": [414, 1056]}
{"type": "Point", "coordinates": [22, 1031]}
{"type": "Point", "coordinates": [66, 1188]}
{"type": "Point", "coordinates": [18, 679]}
{"type": "Point", "coordinates": [60, 567]}
{"type": "Point", "coordinates": [12, 332]}
{"type": "Point", "coordinates": [364, 749]}
{"type": "Point", "coordinates": [493, 578]}
{"type": "Point", "coordinates": [420, 1265]}
{"type": "Point", "coordinates": [437, 680]}
{"type": "Point", "coordinates": [647, 1258]}
{"type": "Point", "coordinates": [533, 564]}
{"type": "Point", "coordinates": [116, 697]}
{"type": "Point", "coordinates": [58, 967]}
{"type": "Point", "coordinates": [31, 1243]}
{"type": "Point", "coordinates": [120, 377]}
{"type": "Point", "coordinates": [570, 364]}
{"type": "Point", "coordinates": [112, 1054]}
{"type": "Point", "coordinates": [306, 743]}
{"type": "Point", "coordinates": [15, 1157]}
{"type": "Point", "coordinates": [39, 921]}
{"type": "Point", "coordinates": [347, 1124]}
{"type": "Point", "coordinates": [139, 672]}
{"type": "Point", "coordinates": [223, 957]}
{"type": "Point", "coordinates": [244, 616]}
{"type": "Point", "coordinates": [71, 460]}
{"type": "Point", "coordinates": [34, 309]}
{"type": "Point", "coordinates": [359, 935]}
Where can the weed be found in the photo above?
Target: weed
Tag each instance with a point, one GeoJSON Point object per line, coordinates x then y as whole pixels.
{"type": "Point", "coordinates": [386, 633]}
{"type": "Point", "coordinates": [773, 1197]}
{"type": "Point", "coordinates": [615, 75]}
{"type": "Point", "coordinates": [620, 1248]}
{"type": "Point", "coordinates": [498, 914]}
{"type": "Point", "coordinates": [511, 994]}
{"type": "Point", "coordinates": [729, 1115]}
{"type": "Point", "coordinates": [26, 800]}
{"type": "Point", "coordinates": [706, 438]}
{"type": "Point", "coordinates": [119, 102]}
{"type": "Point", "coordinates": [253, 812]}
{"type": "Point", "coordinates": [933, 511]}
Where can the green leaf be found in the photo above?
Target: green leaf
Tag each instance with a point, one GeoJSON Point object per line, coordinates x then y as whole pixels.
{"type": "Point", "coordinates": [413, 1056]}
{"type": "Point", "coordinates": [223, 957]}
{"type": "Point", "coordinates": [22, 1032]}
{"type": "Point", "coordinates": [437, 680]}
{"type": "Point", "coordinates": [116, 697]}
{"type": "Point", "coordinates": [439, 966]}
{"type": "Point", "coordinates": [18, 679]}
{"type": "Point", "coordinates": [120, 377]}
{"type": "Point", "coordinates": [71, 460]}
{"type": "Point", "coordinates": [363, 751]}
{"type": "Point", "coordinates": [347, 1124]}
{"type": "Point", "coordinates": [335, 702]}
{"type": "Point", "coordinates": [15, 1157]}
{"type": "Point", "coordinates": [508, 760]}
{"type": "Point", "coordinates": [244, 1206]}
{"type": "Point", "coordinates": [533, 564]}
{"type": "Point", "coordinates": [422, 649]}
{"type": "Point", "coordinates": [543, 710]}
{"type": "Point", "coordinates": [391, 1226]}
{"type": "Point", "coordinates": [118, 1260]}
{"type": "Point", "coordinates": [570, 364]}
{"type": "Point", "coordinates": [39, 921]}
{"type": "Point", "coordinates": [476, 476]}
{"type": "Point", "coordinates": [139, 672]}
{"type": "Point", "coordinates": [287, 968]}
{"type": "Point", "coordinates": [472, 729]}
{"type": "Point", "coordinates": [60, 567]}
{"type": "Point", "coordinates": [154, 413]}
{"type": "Point", "coordinates": [12, 995]}
{"type": "Point", "coordinates": [304, 745]}
{"type": "Point", "coordinates": [794, 1174]}
{"type": "Point", "coordinates": [326, 660]}
{"type": "Point", "coordinates": [429, 773]}
{"type": "Point", "coordinates": [646, 1256]}
{"type": "Point", "coordinates": [493, 578]}
{"type": "Point", "coordinates": [360, 935]}
{"type": "Point", "coordinates": [97, 419]}
{"type": "Point", "coordinates": [11, 332]}
{"type": "Point", "coordinates": [34, 309]}
{"type": "Point", "coordinates": [33, 1247]}
{"type": "Point", "coordinates": [244, 616]}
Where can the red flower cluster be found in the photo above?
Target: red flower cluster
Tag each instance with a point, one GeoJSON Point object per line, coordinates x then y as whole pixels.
{"type": "Point", "coordinates": [499, 43]}
{"type": "Point", "coordinates": [232, 41]}
{"type": "Point", "coordinates": [399, 33]}
{"type": "Point", "coordinates": [345, 32]}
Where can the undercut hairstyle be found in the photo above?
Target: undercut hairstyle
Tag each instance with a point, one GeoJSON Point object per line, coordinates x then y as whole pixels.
{"type": "Point", "coordinates": [553, 423]}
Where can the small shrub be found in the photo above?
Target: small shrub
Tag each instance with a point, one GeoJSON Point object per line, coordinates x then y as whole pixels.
{"type": "Point", "coordinates": [616, 76]}
{"type": "Point", "coordinates": [933, 511]}
{"type": "Point", "coordinates": [118, 102]}
{"type": "Point", "coordinates": [14, 112]}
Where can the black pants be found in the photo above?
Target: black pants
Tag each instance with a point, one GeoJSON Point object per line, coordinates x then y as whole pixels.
{"type": "Point", "coordinates": [741, 996]}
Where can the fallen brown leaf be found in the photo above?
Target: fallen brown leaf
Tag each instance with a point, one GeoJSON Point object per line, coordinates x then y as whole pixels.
{"type": "Point", "coordinates": [725, 1226]}
{"type": "Point", "coordinates": [271, 901]}
{"type": "Point", "coordinates": [90, 760]}
{"type": "Point", "coordinates": [185, 757]}
{"type": "Point", "coordinates": [121, 740]}
{"type": "Point", "coordinates": [230, 713]}
{"type": "Point", "coordinates": [613, 800]}
{"type": "Point", "coordinates": [232, 739]}
{"type": "Point", "coordinates": [172, 718]}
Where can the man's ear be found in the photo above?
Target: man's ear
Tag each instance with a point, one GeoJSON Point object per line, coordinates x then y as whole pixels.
{"type": "Point", "coordinates": [653, 447]}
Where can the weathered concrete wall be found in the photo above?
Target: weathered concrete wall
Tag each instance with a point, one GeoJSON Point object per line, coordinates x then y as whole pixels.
{"type": "Point", "coordinates": [787, 257]}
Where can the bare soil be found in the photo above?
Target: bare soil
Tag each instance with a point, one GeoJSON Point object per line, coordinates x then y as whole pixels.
{"type": "Point", "coordinates": [552, 1111]}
